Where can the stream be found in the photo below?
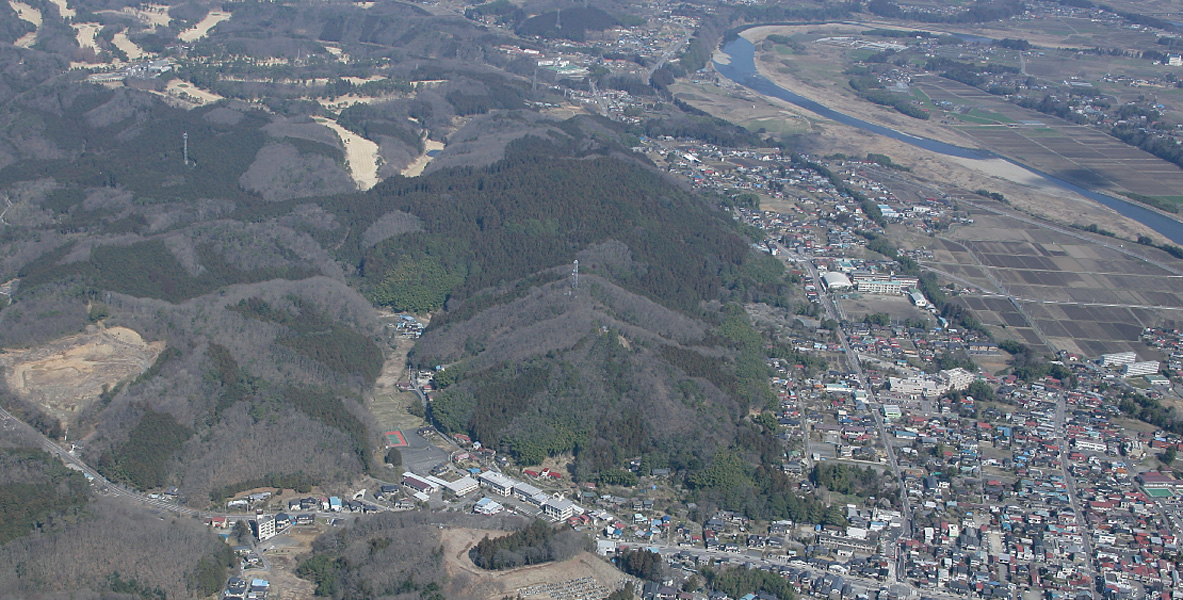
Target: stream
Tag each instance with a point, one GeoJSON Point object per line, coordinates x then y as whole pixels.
{"type": "Point", "coordinates": [742, 70]}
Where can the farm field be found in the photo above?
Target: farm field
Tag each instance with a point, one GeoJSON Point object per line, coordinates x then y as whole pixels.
{"type": "Point", "coordinates": [1075, 153]}
{"type": "Point", "coordinates": [1056, 291]}
{"type": "Point", "coordinates": [966, 116]}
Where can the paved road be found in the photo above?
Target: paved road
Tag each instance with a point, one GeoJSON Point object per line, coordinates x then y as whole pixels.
{"type": "Point", "coordinates": [118, 490]}
{"type": "Point", "coordinates": [859, 581]}
{"type": "Point", "coordinates": [669, 53]}
{"type": "Point", "coordinates": [122, 492]}
{"type": "Point", "coordinates": [832, 310]}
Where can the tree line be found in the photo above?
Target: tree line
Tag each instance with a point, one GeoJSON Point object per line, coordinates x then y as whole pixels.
{"type": "Point", "coordinates": [868, 87]}
{"type": "Point", "coordinates": [537, 543]}
{"type": "Point", "coordinates": [977, 12]}
{"type": "Point", "coordinates": [847, 479]}
{"type": "Point", "coordinates": [869, 207]}
{"type": "Point", "coordinates": [738, 582]}
{"type": "Point", "coordinates": [37, 493]}
{"type": "Point", "coordinates": [640, 563]}
{"type": "Point", "coordinates": [1150, 410]}
{"type": "Point", "coordinates": [143, 459]}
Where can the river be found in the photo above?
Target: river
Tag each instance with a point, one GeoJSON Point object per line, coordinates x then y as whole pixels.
{"type": "Point", "coordinates": [741, 69]}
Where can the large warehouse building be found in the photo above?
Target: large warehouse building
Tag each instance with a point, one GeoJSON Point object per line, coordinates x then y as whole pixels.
{"type": "Point", "coordinates": [836, 281]}
{"type": "Point", "coordinates": [1148, 367]}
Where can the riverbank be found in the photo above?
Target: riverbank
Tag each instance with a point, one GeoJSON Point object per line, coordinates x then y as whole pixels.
{"type": "Point", "coordinates": [1026, 190]}
{"type": "Point", "coordinates": [832, 94]}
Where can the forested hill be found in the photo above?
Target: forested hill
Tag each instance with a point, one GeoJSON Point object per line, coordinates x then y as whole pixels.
{"type": "Point", "coordinates": [536, 210]}
{"type": "Point", "coordinates": [265, 302]}
{"type": "Point", "coordinates": [643, 355]}
{"type": "Point", "coordinates": [55, 536]}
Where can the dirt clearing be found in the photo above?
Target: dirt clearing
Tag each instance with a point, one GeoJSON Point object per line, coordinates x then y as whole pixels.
{"type": "Point", "coordinates": [192, 95]}
{"type": "Point", "coordinates": [67, 375]}
{"type": "Point", "coordinates": [283, 554]}
{"type": "Point", "coordinates": [430, 149]}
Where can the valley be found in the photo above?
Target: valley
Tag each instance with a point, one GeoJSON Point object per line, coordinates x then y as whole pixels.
{"type": "Point", "coordinates": [546, 299]}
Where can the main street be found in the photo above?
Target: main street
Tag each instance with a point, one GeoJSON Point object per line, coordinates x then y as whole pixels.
{"type": "Point", "coordinates": [832, 311]}
{"type": "Point", "coordinates": [1070, 484]}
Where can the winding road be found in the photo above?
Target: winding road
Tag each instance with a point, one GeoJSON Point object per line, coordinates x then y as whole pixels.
{"type": "Point", "coordinates": [115, 489]}
{"type": "Point", "coordinates": [75, 463]}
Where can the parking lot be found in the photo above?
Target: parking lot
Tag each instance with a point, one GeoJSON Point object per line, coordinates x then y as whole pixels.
{"type": "Point", "coordinates": [420, 455]}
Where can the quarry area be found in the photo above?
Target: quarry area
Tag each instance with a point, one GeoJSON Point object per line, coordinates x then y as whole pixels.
{"type": "Point", "coordinates": [68, 374]}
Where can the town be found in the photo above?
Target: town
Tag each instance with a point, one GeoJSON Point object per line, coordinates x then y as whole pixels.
{"type": "Point", "coordinates": [943, 447]}
{"type": "Point", "coordinates": [951, 480]}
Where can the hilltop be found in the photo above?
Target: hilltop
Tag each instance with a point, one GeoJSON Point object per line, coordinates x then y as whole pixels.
{"type": "Point", "coordinates": [233, 253]}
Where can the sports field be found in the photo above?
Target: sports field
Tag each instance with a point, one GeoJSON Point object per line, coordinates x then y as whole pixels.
{"type": "Point", "coordinates": [395, 439]}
